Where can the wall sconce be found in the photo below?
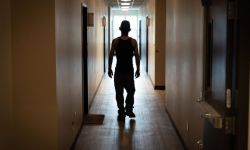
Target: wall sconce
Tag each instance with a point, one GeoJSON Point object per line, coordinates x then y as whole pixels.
{"type": "Point", "coordinates": [90, 19]}
{"type": "Point", "coordinates": [147, 21]}
{"type": "Point", "coordinates": [104, 21]}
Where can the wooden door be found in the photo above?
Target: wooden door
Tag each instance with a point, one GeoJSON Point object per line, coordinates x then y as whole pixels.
{"type": "Point", "coordinates": [219, 85]}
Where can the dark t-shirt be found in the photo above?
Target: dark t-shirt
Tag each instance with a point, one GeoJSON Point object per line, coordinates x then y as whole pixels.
{"type": "Point", "coordinates": [124, 55]}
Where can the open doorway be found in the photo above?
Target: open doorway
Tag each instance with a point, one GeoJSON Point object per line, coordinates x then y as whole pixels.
{"type": "Point", "coordinates": [105, 54]}
{"type": "Point", "coordinates": [146, 67]}
{"type": "Point", "coordinates": [140, 38]}
{"type": "Point", "coordinates": [84, 59]}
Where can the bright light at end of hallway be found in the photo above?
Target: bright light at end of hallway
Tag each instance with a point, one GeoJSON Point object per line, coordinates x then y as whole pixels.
{"type": "Point", "coordinates": [124, 7]}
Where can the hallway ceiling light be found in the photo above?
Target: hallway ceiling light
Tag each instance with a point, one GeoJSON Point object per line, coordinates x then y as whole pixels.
{"type": "Point", "coordinates": [124, 7]}
{"type": "Point", "coordinates": [125, 4]}
{"type": "Point", "coordinates": [116, 3]}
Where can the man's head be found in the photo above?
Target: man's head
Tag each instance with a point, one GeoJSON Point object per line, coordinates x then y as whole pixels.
{"type": "Point", "coordinates": [125, 27]}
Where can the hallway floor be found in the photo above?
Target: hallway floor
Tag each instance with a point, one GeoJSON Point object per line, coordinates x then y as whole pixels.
{"type": "Point", "coordinates": [150, 130]}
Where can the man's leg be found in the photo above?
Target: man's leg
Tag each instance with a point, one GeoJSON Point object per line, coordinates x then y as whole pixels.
{"type": "Point", "coordinates": [130, 88]}
{"type": "Point", "coordinates": [119, 95]}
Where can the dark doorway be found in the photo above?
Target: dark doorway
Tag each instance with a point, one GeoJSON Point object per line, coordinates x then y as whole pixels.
{"type": "Point", "coordinates": [85, 59]}
{"type": "Point", "coordinates": [104, 43]}
{"type": "Point", "coordinates": [140, 38]}
{"type": "Point", "coordinates": [147, 47]}
{"type": "Point", "coordinates": [108, 35]}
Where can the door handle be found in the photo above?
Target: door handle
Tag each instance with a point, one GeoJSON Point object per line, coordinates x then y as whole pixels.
{"type": "Point", "coordinates": [216, 121]}
{"type": "Point", "coordinates": [228, 98]}
{"type": "Point", "coordinates": [211, 115]}
{"type": "Point", "coordinates": [206, 116]}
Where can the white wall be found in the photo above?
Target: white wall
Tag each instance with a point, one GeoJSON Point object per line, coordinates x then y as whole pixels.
{"type": "Point", "coordinates": [95, 47]}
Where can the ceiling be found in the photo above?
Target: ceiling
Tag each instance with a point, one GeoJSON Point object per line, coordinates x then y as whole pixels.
{"type": "Point", "coordinates": [136, 3]}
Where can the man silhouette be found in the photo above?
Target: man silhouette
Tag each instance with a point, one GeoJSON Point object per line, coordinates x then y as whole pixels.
{"type": "Point", "coordinates": [124, 47]}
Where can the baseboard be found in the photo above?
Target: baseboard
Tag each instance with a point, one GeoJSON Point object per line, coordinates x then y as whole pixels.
{"type": "Point", "coordinates": [175, 128]}
{"type": "Point", "coordinates": [80, 129]}
{"type": "Point", "coordinates": [76, 138]}
{"type": "Point", "coordinates": [96, 91]}
{"type": "Point", "coordinates": [156, 87]}
{"type": "Point", "coordinates": [159, 87]}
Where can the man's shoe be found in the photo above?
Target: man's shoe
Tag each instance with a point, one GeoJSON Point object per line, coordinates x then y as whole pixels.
{"type": "Point", "coordinates": [130, 114]}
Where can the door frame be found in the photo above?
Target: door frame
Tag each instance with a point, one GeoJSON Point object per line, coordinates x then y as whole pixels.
{"type": "Point", "coordinates": [147, 18]}
{"type": "Point", "coordinates": [140, 38]}
{"type": "Point", "coordinates": [104, 44]}
{"type": "Point", "coordinates": [84, 18]}
{"type": "Point", "coordinates": [226, 113]}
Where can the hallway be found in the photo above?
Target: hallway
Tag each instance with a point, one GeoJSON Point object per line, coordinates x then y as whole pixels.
{"type": "Point", "coordinates": [150, 130]}
{"type": "Point", "coordinates": [53, 55]}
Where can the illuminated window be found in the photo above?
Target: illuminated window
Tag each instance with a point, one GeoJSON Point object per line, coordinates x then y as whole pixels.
{"type": "Point", "coordinates": [133, 25]}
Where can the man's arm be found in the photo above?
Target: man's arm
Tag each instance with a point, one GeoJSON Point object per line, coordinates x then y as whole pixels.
{"type": "Point", "coordinates": [137, 58]}
{"type": "Point", "coordinates": [111, 54]}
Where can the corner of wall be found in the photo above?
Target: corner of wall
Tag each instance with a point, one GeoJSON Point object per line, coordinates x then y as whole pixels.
{"type": "Point", "coordinates": [6, 136]}
{"type": "Point", "coordinates": [69, 82]}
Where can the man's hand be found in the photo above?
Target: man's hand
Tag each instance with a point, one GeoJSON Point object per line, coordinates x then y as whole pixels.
{"type": "Point", "coordinates": [137, 73]}
{"type": "Point", "coordinates": [110, 73]}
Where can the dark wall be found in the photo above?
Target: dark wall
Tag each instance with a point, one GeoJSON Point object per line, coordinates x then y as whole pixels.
{"type": "Point", "coordinates": [243, 73]}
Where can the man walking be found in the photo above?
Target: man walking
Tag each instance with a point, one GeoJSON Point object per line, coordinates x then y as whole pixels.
{"type": "Point", "coordinates": [124, 47]}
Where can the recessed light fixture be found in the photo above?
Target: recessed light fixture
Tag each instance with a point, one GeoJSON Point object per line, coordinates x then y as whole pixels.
{"type": "Point", "coordinates": [124, 7]}
{"type": "Point", "coordinates": [125, 4]}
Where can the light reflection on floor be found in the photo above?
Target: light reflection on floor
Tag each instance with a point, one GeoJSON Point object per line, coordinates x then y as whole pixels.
{"type": "Point", "coordinates": [150, 130]}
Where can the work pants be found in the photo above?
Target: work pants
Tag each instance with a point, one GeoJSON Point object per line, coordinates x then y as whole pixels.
{"type": "Point", "coordinates": [124, 81]}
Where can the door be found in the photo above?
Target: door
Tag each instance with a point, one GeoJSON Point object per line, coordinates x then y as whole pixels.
{"type": "Point", "coordinates": [220, 81]}
{"type": "Point", "coordinates": [147, 47]}
{"type": "Point", "coordinates": [85, 59]}
{"type": "Point", "coordinates": [105, 56]}
{"type": "Point", "coordinates": [140, 38]}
